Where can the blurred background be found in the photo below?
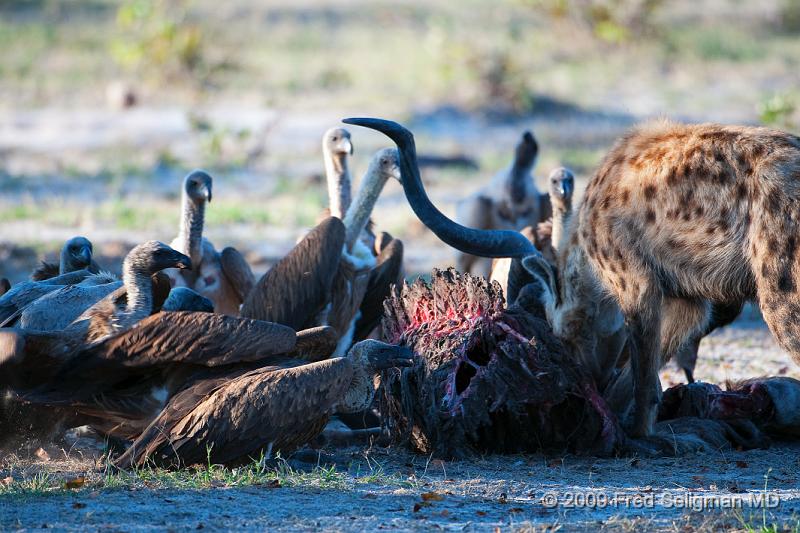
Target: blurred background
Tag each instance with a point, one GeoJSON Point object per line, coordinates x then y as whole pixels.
{"type": "Point", "coordinates": [104, 106]}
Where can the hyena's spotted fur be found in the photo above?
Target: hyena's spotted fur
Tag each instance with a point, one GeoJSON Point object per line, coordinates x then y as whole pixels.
{"type": "Point", "coordinates": [679, 216]}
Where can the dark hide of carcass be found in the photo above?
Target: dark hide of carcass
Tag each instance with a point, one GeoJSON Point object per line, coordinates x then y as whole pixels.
{"type": "Point", "coordinates": [748, 414]}
{"type": "Point", "coordinates": [485, 379]}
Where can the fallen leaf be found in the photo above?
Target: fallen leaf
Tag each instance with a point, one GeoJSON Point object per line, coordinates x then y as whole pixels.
{"type": "Point", "coordinates": [75, 483]}
{"type": "Point", "coordinates": [431, 497]}
{"type": "Point", "coordinates": [6, 481]}
{"type": "Point", "coordinates": [742, 464]}
{"type": "Point", "coordinates": [480, 513]}
{"type": "Point", "coordinates": [78, 505]}
{"type": "Point", "coordinates": [42, 455]}
{"type": "Point", "coordinates": [420, 505]}
{"type": "Point", "coordinates": [503, 498]}
{"type": "Point", "coordinates": [445, 513]}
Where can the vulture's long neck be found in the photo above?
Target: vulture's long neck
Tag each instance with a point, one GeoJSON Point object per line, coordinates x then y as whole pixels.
{"type": "Point", "coordinates": [338, 176]}
{"type": "Point", "coordinates": [561, 216]}
{"type": "Point", "coordinates": [139, 287]}
{"type": "Point", "coordinates": [520, 175]}
{"type": "Point", "coordinates": [191, 232]}
{"type": "Point", "coordinates": [357, 216]}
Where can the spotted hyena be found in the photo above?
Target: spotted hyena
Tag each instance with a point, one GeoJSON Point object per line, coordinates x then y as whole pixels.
{"type": "Point", "coordinates": [682, 216]}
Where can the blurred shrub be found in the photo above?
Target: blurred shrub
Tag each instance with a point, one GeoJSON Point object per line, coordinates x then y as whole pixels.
{"type": "Point", "coordinates": [501, 80]}
{"type": "Point", "coordinates": [222, 147]}
{"type": "Point", "coordinates": [155, 38]}
{"type": "Point", "coordinates": [612, 21]}
{"type": "Point", "coordinates": [778, 110]}
{"type": "Point", "coordinates": [790, 15]}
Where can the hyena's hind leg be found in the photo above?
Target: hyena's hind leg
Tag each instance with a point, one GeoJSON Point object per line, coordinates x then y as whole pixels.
{"type": "Point", "coordinates": [779, 300]}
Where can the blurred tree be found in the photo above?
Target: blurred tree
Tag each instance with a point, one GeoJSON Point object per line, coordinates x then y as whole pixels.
{"type": "Point", "coordinates": [613, 21]}
{"type": "Point", "coordinates": [157, 39]}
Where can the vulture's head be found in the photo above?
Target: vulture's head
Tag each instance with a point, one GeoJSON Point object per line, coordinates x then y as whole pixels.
{"type": "Point", "coordinates": [197, 186]}
{"type": "Point", "coordinates": [388, 162]}
{"type": "Point", "coordinates": [76, 254]}
{"type": "Point", "coordinates": [562, 185]}
{"type": "Point", "coordinates": [527, 150]}
{"type": "Point", "coordinates": [376, 355]}
{"type": "Point", "coordinates": [336, 141]}
{"type": "Point", "coordinates": [185, 299]}
{"type": "Point", "coordinates": [153, 256]}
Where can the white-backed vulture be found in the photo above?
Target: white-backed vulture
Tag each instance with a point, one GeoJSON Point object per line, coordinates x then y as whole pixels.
{"type": "Point", "coordinates": [23, 294]}
{"type": "Point", "coordinates": [510, 201]}
{"type": "Point", "coordinates": [185, 299]}
{"type": "Point", "coordinates": [336, 150]}
{"type": "Point", "coordinates": [60, 308]}
{"type": "Point", "coordinates": [76, 254]}
{"type": "Point", "coordinates": [324, 278]}
{"type": "Point", "coordinates": [223, 277]}
{"type": "Point", "coordinates": [546, 237]}
{"type": "Point", "coordinates": [250, 413]}
{"type": "Point", "coordinates": [153, 380]}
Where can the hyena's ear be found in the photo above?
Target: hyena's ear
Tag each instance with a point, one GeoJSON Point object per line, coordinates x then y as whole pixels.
{"type": "Point", "coordinates": [545, 276]}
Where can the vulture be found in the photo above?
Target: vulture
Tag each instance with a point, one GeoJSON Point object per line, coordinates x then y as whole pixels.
{"type": "Point", "coordinates": [21, 295]}
{"type": "Point", "coordinates": [185, 299]}
{"type": "Point", "coordinates": [325, 278]}
{"type": "Point", "coordinates": [60, 308]}
{"type": "Point", "coordinates": [336, 149]}
{"type": "Point", "coordinates": [181, 382]}
{"type": "Point", "coordinates": [250, 413]}
{"type": "Point", "coordinates": [546, 237]}
{"type": "Point", "coordinates": [510, 201]}
{"type": "Point", "coordinates": [76, 254]}
{"type": "Point", "coordinates": [223, 277]}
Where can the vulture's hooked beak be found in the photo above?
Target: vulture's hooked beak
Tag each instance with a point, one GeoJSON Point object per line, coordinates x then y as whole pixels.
{"type": "Point", "coordinates": [346, 146]}
{"type": "Point", "coordinates": [85, 255]}
{"type": "Point", "coordinates": [182, 261]}
{"type": "Point", "coordinates": [567, 187]}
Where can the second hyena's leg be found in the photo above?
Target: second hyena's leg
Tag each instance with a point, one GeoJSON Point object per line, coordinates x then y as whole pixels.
{"type": "Point", "coordinates": [682, 321]}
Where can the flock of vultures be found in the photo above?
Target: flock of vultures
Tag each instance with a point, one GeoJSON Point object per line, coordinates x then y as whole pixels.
{"type": "Point", "coordinates": [550, 337]}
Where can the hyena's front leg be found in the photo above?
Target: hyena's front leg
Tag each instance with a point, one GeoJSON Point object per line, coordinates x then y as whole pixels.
{"type": "Point", "coordinates": [644, 320]}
